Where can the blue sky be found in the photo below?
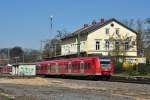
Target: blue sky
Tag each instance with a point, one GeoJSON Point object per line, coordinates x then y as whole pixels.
{"type": "Point", "coordinates": [26, 22]}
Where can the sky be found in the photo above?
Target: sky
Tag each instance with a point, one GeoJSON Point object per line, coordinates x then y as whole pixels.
{"type": "Point", "coordinates": [25, 23]}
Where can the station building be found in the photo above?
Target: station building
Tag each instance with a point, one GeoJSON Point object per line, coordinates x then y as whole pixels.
{"type": "Point", "coordinates": [95, 39]}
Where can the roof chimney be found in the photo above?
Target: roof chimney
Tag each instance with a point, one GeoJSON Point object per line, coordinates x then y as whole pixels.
{"type": "Point", "coordinates": [102, 20]}
{"type": "Point", "coordinates": [93, 22]}
{"type": "Point", "coordinates": [85, 25]}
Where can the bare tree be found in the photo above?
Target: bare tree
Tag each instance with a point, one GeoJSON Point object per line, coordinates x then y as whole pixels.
{"type": "Point", "coordinates": [52, 48]}
{"type": "Point", "coordinates": [16, 54]}
{"type": "Point", "coordinates": [31, 55]}
{"type": "Point", "coordinates": [140, 35]}
{"type": "Point", "coordinates": [120, 46]}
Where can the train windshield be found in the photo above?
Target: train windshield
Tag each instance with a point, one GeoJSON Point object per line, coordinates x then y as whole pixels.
{"type": "Point", "coordinates": [105, 62]}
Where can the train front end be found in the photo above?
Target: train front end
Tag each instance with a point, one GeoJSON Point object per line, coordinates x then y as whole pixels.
{"type": "Point", "coordinates": [107, 67]}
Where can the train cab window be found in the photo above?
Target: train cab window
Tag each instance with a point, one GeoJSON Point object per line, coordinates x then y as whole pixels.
{"type": "Point", "coordinates": [105, 63]}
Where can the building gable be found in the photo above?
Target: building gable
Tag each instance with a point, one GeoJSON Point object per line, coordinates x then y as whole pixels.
{"type": "Point", "coordinates": [96, 26]}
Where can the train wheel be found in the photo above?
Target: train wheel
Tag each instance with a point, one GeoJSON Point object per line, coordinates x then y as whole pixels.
{"type": "Point", "coordinates": [101, 77]}
{"type": "Point", "coordinates": [107, 77]}
{"type": "Point", "coordinates": [96, 78]}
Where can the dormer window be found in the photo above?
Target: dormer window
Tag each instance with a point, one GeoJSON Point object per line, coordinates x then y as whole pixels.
{"type": "Point", "coordinates": [117, 31]}
{"type": "Point", "coordinates": [107, 30]}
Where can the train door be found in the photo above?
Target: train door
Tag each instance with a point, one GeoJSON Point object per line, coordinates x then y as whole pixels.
{"type": "Point", "coordinates": [56, 68]}
{"type": "Point", "coordinates": [81, 67]}
{"type": "Point", "coordinates": [69, 67]}
{"type": "Point", "coordinates": [49, 68]}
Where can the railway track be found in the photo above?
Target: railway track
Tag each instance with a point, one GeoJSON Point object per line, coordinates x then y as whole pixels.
{"type": "Point", "coordinates": [138, 80]}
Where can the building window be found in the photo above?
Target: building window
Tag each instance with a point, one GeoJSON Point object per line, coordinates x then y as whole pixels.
{"type": "Point", "coordinates": [112, 25]}
{"type": "Point", "coordinates": [107, 30]}
{"type": "Point", "coordinates": [117, 31]}
{"type": "Point", "coordinates": [107, 43]}
{"type": "Point", "coordinates": [97, 45]}
{"type": "Point", "coordinates": [133, 42]}
{"type": "Point", "coordinates": [117, 44]}
{"type": "Point", "coordinates": [126, 45]}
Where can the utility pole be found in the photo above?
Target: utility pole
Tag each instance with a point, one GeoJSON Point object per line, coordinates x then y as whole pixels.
{"type": "Point", "coordinates": [41, 50]}
{"type": "Point", "coordinates": [78, 44]}
{"type": "Point", "coordinates": [55, 49]}
{"type": "Point", "coordinates": [23, 57]}
{"type": "Point", "coordinates": [8, 55]}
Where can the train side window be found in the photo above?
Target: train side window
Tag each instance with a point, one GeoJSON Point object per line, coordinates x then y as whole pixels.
{"type": "Point", "coordinates": [57, 67]}
{"type": "Point", "coordinates": [78, 66]}
{"type": "Point", "coordinates": [49, 67]}
{"type": "Point", "coordinates": [37, 67]}
{"type": "Point", "coordinates": [41, 68]}
{"type": "Point", "coordinates": [62, 66]}
{"type": "Point", "coordinates": [87, 65]}
{"type": "Point", "coordinates": [70, 66]}
{"type": "Point", "coordinates": [52, 67]}
{"type": "Point", "coordinates": [82, 64]}
{"type": "Point", "coordinates": [44, 67]}
{"type": "Point", "coordinates": [66, 67]}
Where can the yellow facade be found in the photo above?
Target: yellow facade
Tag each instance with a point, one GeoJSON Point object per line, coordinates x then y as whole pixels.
{"type": "Point", "coordinates": [99, 35]}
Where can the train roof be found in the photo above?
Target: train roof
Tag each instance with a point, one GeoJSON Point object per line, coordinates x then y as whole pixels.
{"type": "Point", "coordinates": [64, 60]}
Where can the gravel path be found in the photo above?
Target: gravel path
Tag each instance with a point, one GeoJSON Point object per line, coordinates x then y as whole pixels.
{"type": "Point", "coordinates": [68, 89]}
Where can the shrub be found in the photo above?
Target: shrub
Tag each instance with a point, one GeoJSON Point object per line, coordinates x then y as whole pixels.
{"type": "Point", "coordinates": [118, 67]}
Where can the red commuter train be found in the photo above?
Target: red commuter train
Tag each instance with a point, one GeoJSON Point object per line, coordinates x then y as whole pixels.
{"type": "Point", "coordinates": [5, 69]}
{"type": "Point", "coordinates": [87, 66]}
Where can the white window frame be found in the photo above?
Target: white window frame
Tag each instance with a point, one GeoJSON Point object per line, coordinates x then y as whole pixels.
{"type": "Point", "coordinates": [107, 30]}
{"type": "Point", "coordinates": [107, 44]}
{"type": "Point", "coordinates": [117, 31]}
{"type": "Point", "coordinates": [97, 46]}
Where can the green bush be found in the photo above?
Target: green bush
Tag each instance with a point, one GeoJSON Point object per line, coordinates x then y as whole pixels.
{"type": "Point", "coordinates": [140, 70]}
{"type": "Point", "coordinates": [118, 67]}
{"type": "Point", "coordinates": [132, 69]}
